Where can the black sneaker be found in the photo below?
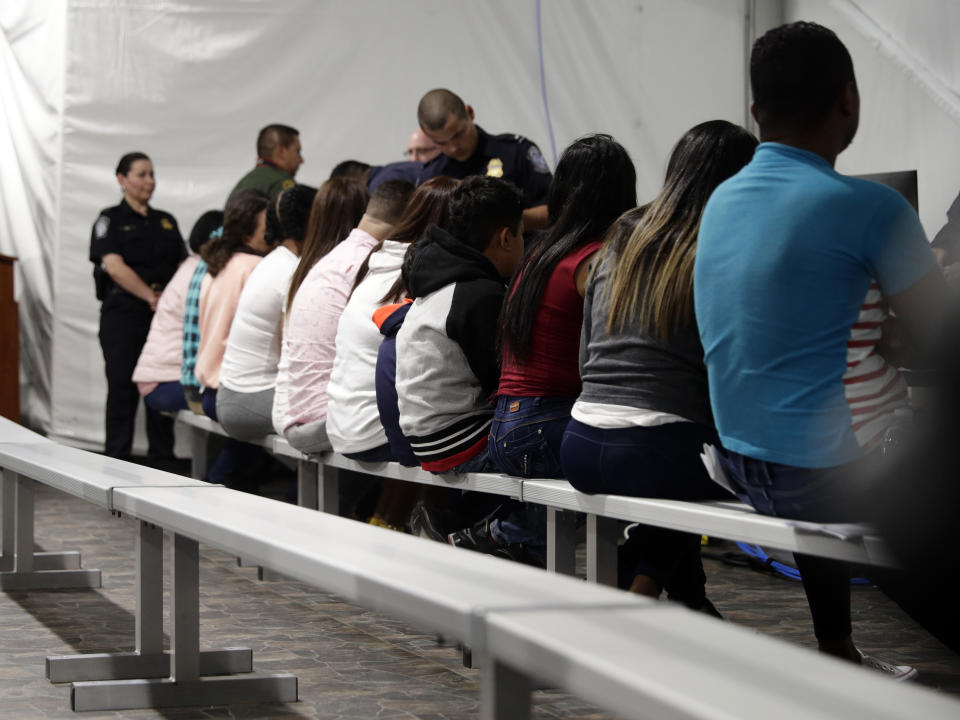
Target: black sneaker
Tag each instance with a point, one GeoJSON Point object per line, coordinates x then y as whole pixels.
{"type": "Point", "coordinates": [425, 522]}
{"type": "Point", "coordinates": [704, 606]}
{"type": "Point", "coordinates": [479, 539]}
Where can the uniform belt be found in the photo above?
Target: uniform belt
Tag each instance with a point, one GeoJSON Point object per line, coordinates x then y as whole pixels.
{"type": "Point", "coordinates": [116, 289]}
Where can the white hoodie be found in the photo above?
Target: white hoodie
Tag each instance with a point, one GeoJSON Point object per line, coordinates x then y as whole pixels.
{"type": "Point", "coordinates": [353, 421]}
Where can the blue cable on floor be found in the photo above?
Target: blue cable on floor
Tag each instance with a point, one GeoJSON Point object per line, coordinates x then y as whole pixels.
{"type": "Point", "coordinates": [780, 568]}
{"type": "Point", "coordinates": [543, 87]}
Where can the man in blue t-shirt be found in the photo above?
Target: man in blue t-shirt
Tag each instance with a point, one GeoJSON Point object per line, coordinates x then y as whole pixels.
{"type": "Point", "coordinates": [787, 251]}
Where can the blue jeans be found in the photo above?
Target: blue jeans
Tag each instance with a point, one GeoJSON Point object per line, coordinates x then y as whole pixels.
{"type": "Point", "coordinates": [526, 435]}
{"type": "Point", "coordinates": [817, 494]}
{"type": "Point", "coordinates": [166, 397]}
{"type": "Point", "coordinates": [479, 463]}
{"type": "Point", "coordinates": [381, 453]}
{"type": "Point", "coordinates": [658, 462]}
{"type": "Point", "coordinates": [208, 399]}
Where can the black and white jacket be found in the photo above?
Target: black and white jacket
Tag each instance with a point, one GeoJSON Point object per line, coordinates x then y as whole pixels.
{"type": "Point", "coordinates": [447, 364]}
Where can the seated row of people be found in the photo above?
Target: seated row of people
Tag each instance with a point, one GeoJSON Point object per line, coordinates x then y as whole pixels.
{"type": "Point", "coordinates": [398, 337]}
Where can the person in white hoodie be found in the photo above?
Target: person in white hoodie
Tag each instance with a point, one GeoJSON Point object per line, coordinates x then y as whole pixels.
{"type": "Point", "coordinates": [353, 422]}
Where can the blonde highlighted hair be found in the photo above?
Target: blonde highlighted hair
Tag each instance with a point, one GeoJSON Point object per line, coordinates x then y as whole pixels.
{"type": "Point", "coordinates": [653, 275]}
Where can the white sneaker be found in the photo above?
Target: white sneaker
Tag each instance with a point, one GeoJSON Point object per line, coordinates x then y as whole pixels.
{"type": "Point", "coordinates": [900, 673]}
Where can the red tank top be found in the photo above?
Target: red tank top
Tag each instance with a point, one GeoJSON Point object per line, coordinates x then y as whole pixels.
{"type": "Point", "coordinates": [552, 369]}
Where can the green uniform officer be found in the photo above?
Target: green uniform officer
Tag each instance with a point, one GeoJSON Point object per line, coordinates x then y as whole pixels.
{"type": "Point", "coordinates": [278, 157]}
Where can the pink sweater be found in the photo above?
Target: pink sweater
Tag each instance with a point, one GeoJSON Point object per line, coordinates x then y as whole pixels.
{"type": "Point", "coordinates": [162, 352]}
{"type": "Point", "coordinates": [218, 305]}
{"type": "Point", "coordinates": [309, 344]}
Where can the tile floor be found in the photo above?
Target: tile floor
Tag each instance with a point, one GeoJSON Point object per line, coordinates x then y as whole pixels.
{"type": "Point", "coordinates": [352, 663]}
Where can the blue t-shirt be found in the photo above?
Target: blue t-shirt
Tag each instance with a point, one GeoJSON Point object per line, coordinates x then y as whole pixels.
{"type": "Point", "coordinates": [786, 253]}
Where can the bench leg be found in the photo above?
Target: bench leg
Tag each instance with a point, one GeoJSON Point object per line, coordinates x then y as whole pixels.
{"type": "Point", "coordinates": [8, 522]}
{"type": "Point", "coordinates": [602, 550]}
{"type": "Point", "coordinates": [307, 484]}
{"type": "Point", "coordinates": [328, 489]}
{"type": "Point", "coordinates": [22, 569]}
{"type": "Point", "coordinates": [148, 660]}
{"type": "Point", "coordinates": [561, 541]}
{"type": "Point", "coordinates": [504, 692]}
{"type": "Point", "coordinates": [198, 453]}
{"type": "Point", "coordinates": [186, 685]}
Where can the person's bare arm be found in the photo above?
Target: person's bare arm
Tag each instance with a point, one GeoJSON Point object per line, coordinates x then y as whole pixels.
{"type": "Point", "coordinates": [127, 278]}
{"type": "Point", "coordinates": [535, 218]}
{"type": "Point", "coordinates": [920, 310]}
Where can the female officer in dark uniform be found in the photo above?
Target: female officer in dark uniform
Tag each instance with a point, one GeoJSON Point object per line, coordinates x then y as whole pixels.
{"type": "Point", "coordinates": [135, 250]}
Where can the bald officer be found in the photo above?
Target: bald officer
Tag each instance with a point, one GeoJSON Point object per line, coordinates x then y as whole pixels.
{"type": "Point", "coordinates": [468, 150]}
{"type": "Point", "coordinates": [278, 158]}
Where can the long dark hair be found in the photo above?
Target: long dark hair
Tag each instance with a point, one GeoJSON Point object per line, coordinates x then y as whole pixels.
{"type": "Point", "coordinates": [653, 279]}
{"type": "Point", "coordinates": [239, 223]}
{"type": "Point", "coordinates": [429, 205]}
{"type": "Point", "coordinates": [337, 208]}
{"type": "Point", "coordinates": [594, 183]}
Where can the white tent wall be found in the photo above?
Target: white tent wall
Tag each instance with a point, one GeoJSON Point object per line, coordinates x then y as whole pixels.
{"type": "Point", "coordinates": [31, 91]}
{"type": "Point", "coordinates": [907, 62]}
{"type": "Point", "coordinates": [190, 83]}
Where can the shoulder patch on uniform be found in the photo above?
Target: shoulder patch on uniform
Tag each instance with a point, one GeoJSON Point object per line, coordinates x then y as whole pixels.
{"type": "Point", "coordinates": [536, 159]}
{"type": "Point", "coordinates": [166, 224]}
{"type": "Point", "coordinates": [495, 168]}
{"type": "Point", "coordinates": [288, 184]}
{"type": "Point", "coordinates": [101, 226]}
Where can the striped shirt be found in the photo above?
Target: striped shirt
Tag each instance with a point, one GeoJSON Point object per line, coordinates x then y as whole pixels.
{"type": "Point", "coordinates": [191, 327]}
{"type": "Point", "coordinates": [874, 388]}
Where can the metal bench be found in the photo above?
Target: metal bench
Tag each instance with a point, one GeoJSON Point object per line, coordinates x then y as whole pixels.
{"type": "Point", "coordinates": [731, 520]}
{"type": "Point", "coordinates": [666, 663]}
{"type": "Point", "coordinates": [97, 479]}
{"type": "Point", "coordinates": [319, 484]}
{"type": "Point", "coordinates": [624, 653]}
{"type": "Point", "coordinates": [319, 476]}
{"type": "Point", "coordinates": [434, 586]}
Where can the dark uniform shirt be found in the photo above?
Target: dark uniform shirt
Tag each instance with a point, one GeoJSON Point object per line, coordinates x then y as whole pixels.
{"type": "Point", "coordinates": [151, 245]}
{"type": "Point", "coordinates": [267, 178]}
{"type": "Point", "coordinates": [511, 157]}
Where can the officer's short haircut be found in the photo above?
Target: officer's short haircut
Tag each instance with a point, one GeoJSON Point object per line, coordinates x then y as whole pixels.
{"type": "Point", "coordinates": [353, 169]}
{"type": "Point", "coordinates": [273, 135]}
{"type": "Point", "coordinates": [203, 227]}
{"type": "Point", "coordinates": [797, 71]}
{"type": "Point", "coordinates": [436, 106]}
{"type": "Point", "coordinates": [389, 200]}
{"type": "Point", "coordinates": [481, 206]}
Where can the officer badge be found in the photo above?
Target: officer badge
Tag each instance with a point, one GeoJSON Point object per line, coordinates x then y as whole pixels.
{"type": "Point", "coordinates": [100, 229]}
{"type": "Point", "coordinates": [536, 159]}
{"type": "Point", "coordinates": [166, 224]}
{"type": "Point", "coordinates": [495, 168]}
{"type": "Point", "coordinates": [286, 184]}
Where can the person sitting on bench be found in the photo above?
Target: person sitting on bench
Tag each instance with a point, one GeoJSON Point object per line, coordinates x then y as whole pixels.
{"type": "Point", "coordinates": [787, 253]}
{"type": "Point", "coordinates": [639, 425]}
{"type": "Point", "coordinates": [157, 374]}
{"type": "Point", "coordinates": [340, 237]}
{"type": "Point", "coordinates": [248, 375]}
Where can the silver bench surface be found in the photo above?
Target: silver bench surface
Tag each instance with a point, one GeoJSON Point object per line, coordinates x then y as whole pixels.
{"type": "Point", "coordinates": [670, 664]}
{"type": "Point", "coordinates": [432, 585]}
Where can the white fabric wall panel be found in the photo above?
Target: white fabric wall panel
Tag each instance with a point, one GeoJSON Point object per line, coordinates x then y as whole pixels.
{"type": "Point", "coordinates": [644, 72]}
{"type": "Point", "coordinates": [907, 63]}
{"type": "Point", "coordinates": [190, 83]}
{"type": "Point", "coordinates": [31, 90]}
